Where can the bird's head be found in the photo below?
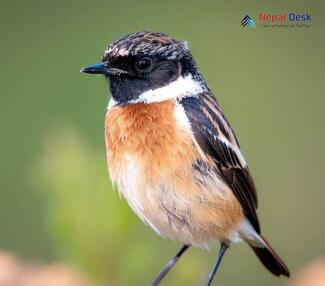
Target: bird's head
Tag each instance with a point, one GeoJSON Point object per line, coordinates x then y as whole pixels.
{"type": "Point", "coordinates": [148, 67]}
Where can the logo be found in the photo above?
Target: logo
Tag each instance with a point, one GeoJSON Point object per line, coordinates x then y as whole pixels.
{"type": "Point", "coordinates": [280, 20]}
{"type": "Point", "coordinates": [247, 21]}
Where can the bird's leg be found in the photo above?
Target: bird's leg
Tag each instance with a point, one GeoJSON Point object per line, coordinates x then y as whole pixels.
{"type": "Point", "coordinates": [169, 265]}
{"type": "Point", "coordinates": [223, 248]}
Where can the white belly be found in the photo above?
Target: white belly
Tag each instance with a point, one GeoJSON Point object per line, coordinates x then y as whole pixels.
{"type": "Point", "coordinates": [143, 197]}
{"type": "Point", "coordinates": [162, 205]}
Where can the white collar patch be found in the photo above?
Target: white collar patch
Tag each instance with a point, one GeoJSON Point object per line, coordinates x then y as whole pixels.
{"type": "Point", "coordinates": [179, 88]}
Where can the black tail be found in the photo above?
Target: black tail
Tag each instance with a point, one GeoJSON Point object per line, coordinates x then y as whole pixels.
{"type": "Point", "coordinates": [271, 260]}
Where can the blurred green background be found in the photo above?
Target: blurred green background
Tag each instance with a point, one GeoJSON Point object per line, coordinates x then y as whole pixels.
{"type": "Point", "coordinates": [56, 201]}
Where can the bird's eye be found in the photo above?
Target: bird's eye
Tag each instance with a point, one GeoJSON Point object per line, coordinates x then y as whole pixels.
{"type": "Point", "coordinates": [143, 65]}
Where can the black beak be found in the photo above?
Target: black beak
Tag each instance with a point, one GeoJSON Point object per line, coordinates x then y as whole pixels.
{"type": "Point", "coordinates": [102, 68]}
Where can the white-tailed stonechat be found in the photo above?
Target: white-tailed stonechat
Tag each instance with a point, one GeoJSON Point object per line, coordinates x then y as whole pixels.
{"type": "Point", "coordinates": [172, 152]}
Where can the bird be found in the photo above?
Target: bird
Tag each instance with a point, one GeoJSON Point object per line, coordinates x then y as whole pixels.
{"type": "Point", "coordinates": [172, 152]}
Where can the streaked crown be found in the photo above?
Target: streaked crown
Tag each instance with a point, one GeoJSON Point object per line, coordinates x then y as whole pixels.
{"type": "Point", "coordinates": [146, 44]}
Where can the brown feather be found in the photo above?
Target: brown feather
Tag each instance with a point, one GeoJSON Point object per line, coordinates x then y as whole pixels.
{"type": "Point", "coordinates": [217, 140]}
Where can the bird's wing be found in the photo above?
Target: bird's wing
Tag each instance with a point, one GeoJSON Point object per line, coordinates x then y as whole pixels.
{"type": "Point", "coordinates": [217, 140]}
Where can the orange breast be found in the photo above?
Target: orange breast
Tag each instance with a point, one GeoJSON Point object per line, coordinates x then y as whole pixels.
{"type": "Point", "coordinates": [150, 132]}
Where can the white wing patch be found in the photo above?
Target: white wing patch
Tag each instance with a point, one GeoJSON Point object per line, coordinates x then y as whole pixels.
{"type": "Point", "coordinates": [181, 117]}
